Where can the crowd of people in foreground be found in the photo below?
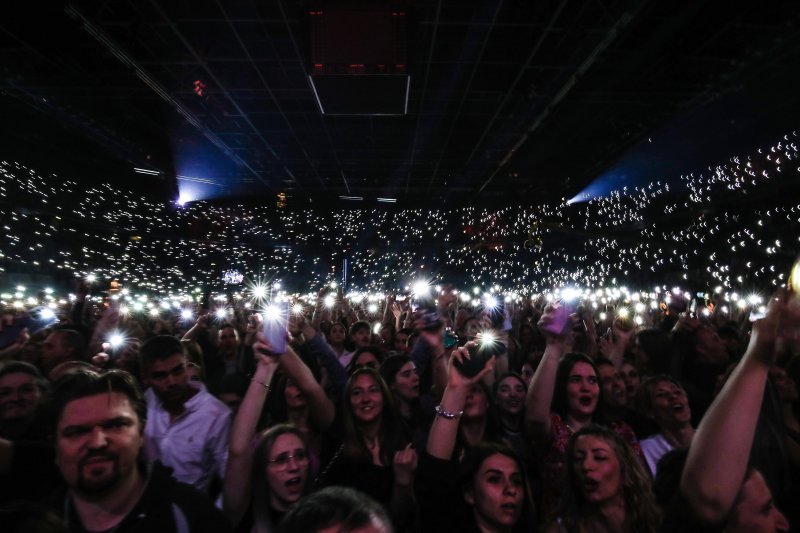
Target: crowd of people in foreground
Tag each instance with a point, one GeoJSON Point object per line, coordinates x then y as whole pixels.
{"type": "Point", "coordinates": [536, 417]}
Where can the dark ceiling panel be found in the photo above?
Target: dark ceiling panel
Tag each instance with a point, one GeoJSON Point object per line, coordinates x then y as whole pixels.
{"type": "Point", "coordinates": [505, 96]}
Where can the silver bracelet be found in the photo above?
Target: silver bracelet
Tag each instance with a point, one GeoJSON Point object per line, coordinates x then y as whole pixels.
{"type": "Point", "coordinates": [447, 414]}
{"type": "Point", "coordinates": [265, 385]}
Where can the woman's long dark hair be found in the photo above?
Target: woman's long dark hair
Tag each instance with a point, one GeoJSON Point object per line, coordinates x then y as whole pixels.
{"type": "Point", "coordinates": [560, 403]}
{"type": "Point", "coordinates": [392, 437]}
{"type": "Point", "coordinates": [641, 512]}
{"type": "Point", "coordinates": [469, 466]}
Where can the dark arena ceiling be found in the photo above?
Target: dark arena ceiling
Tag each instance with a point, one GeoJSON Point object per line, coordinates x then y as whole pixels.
{"type": "Point", "coordinates": [508, 102]}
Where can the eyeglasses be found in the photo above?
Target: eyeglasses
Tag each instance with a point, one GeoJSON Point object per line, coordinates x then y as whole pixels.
{"type": "Point", "coordinates": [282, 460]}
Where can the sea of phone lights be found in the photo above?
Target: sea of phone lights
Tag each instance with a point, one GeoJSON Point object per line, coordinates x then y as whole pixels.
{"type": "Point", "coordinates": [725, 236]}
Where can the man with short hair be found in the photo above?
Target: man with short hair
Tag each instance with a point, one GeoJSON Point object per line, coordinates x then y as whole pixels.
{"type": "Point", "coordinates": [187, 428]}
{"type": "Point", "coordinates": [222, 355]}
{"type": "Point", "coordinates": [99, 421]}
{"type": "Point", "coordinates": [60, 346]}
{"type": "Point", "coordinates": [21, 389]}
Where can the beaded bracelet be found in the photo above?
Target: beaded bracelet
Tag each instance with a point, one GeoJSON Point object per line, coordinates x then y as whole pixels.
{"type": "Point", "coordinates": [447, 414]}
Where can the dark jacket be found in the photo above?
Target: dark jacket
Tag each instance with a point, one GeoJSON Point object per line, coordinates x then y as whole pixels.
{"type": "Point", "coordinates": [166, 506]}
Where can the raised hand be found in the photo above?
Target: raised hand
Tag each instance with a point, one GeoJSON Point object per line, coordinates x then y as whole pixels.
{"type": "Point", "coordinates": [404, 464]}
{"type": "Point", "coordinates": [622, 332]}
{"type": "Point", "coordinates": [263, 351]}
{"type": "Point", "coordinates": [781, 324]}
{"type": "Point", "coordinates": [456, 379]}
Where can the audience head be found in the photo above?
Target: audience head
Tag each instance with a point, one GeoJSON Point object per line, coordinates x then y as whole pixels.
{"type": "Point", "coordinates": [60, 346]}
{"type": "Point", "coordinates": [493, 483]}
{"type": "Point", "coordinates": [337, 334]}
{"type": "Point", "coordinates": [99, 422]}
{"type": "Point", "coordinates": [509, 394]}
{"type": "Point", "coordinates": [479, 402]}
{"type": "Point", "coordinates": [232, 388]}
{"type": "Point", "coordinates": [163, 362]}
{"type": "Point", "coordinates": [361, 334]}
{"type": "Point", "coordinates": [612, 385]}
{"type": "Point", "coordinates": [784, 385]}
{"type": "Point", "coordinates": [337, 509]}
{"type": "Point", "coordinates": [366, 398]}
{"type": "Point", "coordinates": [577, 388]}
{"type": "Point", "coordinates": [630, 375]}
{"type": "Point", "coordinates": [401, 340]}
{"type": "Point", "coordinates": [365, 356]}
{"type": "Point", "coordinates": [663, 399]}
{"type": "Point", "coordinates": [367, 403]}
{"type": "Point", "coordinates": [280, 471]}
{"type": "Point", "coordinates": [399, 373]}
{"type": "Point", "coordinates": [754, 509]}
{"type": "Point", "coordinates": [470, 328]}
{"type": "Point", "coordinates": [227, 339]}
{"type": "Point", "coordinates": [21, 390]}
{"type": "Point", "coordinates": [387, 335]}
{"type": "Point", "coordinates": [603, 470]}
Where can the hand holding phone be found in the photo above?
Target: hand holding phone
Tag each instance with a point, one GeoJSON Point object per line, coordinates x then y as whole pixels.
{"type": "Point", "coordinates": [276, 323]}
{"type": "Point", "coordinates": [556, 318]}
{"type": "Point", "coordinates": [480, 352]}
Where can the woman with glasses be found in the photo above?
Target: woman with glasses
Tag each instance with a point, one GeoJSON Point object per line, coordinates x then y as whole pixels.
{"type": "Point", "coordinates": [264, 480]}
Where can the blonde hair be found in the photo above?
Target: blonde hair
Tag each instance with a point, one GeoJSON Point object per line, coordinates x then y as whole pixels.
{"type": "Point", "coordinates": [641, 512]}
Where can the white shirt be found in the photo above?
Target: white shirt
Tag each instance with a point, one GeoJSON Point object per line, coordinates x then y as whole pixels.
{"type": "Point", "coordinates": [654, 448]}
{"type": "Point", "coordinates": [194, 445]}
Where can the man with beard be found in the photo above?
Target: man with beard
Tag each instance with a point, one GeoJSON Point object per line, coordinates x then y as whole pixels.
{"type": "Point", "coordinates": [187, 428]}
{"type": "Point", "coordinates": [99, 421]}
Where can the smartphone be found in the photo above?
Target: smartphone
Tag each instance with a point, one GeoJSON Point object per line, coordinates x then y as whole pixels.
{"type": "Point", "coordinates": [450, 338]}
{"type": "Point", "coordinates": [276, 326]}
{"type": "Point", "coordinates": [479, 352]}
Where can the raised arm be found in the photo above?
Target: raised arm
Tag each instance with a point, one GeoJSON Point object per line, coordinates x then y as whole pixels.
{"type": "Point", "coordinates": [718, 458]}
{"type": "Point", "coordinates": [237, 488]}
{"type": "Point", "coordinates": [442, 437]}
{"type": "Point", "coordinates": [199, 327]}
{"type": "Point", "coordinates": [540, 392]}
{"type": "Point", "coordinates": [321, 409]}
{"type": "Point", "coordinates": [318, 347]}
